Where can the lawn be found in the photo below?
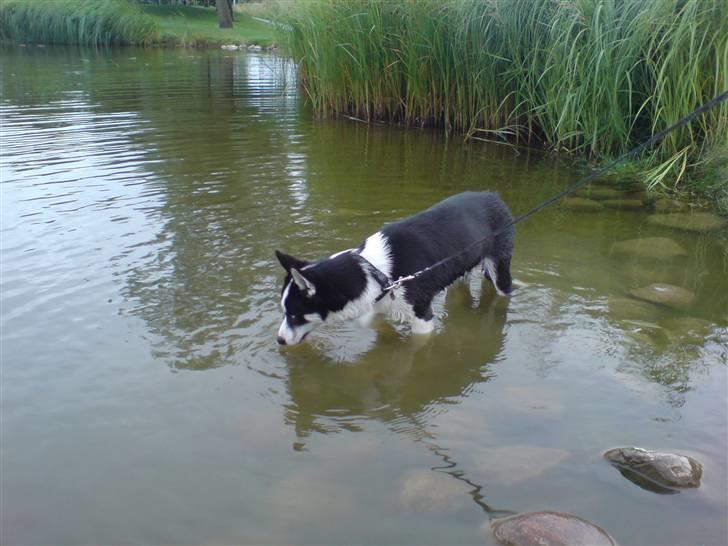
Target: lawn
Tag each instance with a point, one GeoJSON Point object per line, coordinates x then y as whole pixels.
{"type": "Point", "coordinates": [198, 26]}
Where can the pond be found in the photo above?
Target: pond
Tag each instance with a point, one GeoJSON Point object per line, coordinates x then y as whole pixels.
{"type": "Point", "coordinates": [144, 397]}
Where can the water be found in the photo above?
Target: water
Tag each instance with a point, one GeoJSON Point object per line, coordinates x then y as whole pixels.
{"type": "Point", "coordinates": [144, 399]}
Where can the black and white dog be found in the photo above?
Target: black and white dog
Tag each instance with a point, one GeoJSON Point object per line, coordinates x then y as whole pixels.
{"type": "Point", "coordinates": [347, 285]}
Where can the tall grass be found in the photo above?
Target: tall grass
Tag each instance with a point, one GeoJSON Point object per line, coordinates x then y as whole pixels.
{"type": "Point", "coordinates": [88, 22]}
{"type": "Point", "coordinates": [592, 77]}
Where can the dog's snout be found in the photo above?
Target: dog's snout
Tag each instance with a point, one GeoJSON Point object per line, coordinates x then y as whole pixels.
{"type": "Point", "coordinates": [280, 340]}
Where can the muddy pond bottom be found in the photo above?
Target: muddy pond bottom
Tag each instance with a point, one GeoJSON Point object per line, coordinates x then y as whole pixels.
{"type": "Point", "coordinates": [144, 397]}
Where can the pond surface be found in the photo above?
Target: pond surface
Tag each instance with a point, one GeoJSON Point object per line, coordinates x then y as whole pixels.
{"type": "Point", "coordinates": [144, 397]}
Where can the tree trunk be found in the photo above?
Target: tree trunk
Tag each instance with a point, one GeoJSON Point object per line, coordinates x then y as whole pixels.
{"type": "Point", "coordinates": [224, 13]}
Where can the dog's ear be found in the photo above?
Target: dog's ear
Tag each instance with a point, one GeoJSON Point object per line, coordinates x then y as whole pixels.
{"type": "Point", "coordinates": [306, 286]}
{"type": "Point", "coordinates": [289, 262]}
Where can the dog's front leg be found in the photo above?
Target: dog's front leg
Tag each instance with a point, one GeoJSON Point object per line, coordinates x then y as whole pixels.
{"type": "Point", "coordinates": [424, 320]}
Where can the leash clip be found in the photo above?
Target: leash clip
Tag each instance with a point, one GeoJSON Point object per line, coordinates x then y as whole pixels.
{"type": "Point", "coordinates": [399, 282]}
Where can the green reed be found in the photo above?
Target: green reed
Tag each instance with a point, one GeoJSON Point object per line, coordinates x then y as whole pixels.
{"type": "Point", "coordinates": [88, 22]}
{"type": "Point", "coordinates": [592, 77]}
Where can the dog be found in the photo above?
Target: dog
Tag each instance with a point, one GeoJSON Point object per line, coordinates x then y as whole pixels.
{"type": "Point", "coordinates": [474, 226]}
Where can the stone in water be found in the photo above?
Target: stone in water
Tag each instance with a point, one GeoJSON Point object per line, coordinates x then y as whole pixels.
{"type": "Point", "coordinates": [656, 248]}
{"type": "Point", "coordinates": [549, 529]}
{"type": "Point", "coordinates": [582, 205]}
{"type": "Point", "coordinates": [662, 469]}
{"type": "Point", "coordinates": [665, 294]}
{"type": "Point", "coordinates": [700, 222]}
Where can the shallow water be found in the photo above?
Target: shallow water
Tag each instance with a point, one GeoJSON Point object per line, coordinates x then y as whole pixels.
{"type": "Point", "coordinates": [144, 398]}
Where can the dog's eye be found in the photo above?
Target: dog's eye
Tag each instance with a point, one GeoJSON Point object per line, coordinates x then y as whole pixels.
{"type": "Point", "coordinates": [296, 320]}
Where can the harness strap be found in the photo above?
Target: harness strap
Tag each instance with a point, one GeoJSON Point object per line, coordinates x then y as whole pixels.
{"type": "Point", "coordinates": [382, 280]}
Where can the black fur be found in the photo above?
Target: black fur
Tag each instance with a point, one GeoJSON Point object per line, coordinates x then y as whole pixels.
{"type": "Point", "coordinates": [443, 230]}
{"type": "Point", "coordinates": [338, 280]}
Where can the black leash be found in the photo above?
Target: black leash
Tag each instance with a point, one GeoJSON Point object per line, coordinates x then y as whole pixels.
{"type": "Point", "coordinates": [647, 143]}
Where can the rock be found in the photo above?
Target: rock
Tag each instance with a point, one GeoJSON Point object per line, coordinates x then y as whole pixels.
{"type": "Point", "coordinates": [430, 491]}
{"type": "Point", "coordinates": [700, 222]}
{"type": "Point", "coordinates": [549, 529]}
{"type": "Point", "coordinates": [598, 193]}
{"type": "Point", "coordinates": [651, 468]}
{"type": "Point", "coordinates": [644, 332]}
{"type": "Point", "coordinates": [618, 180]}
{"type": "Point", "coordinates": [229, 47]}
{"type": "Point", "coordinates": [582, 205]}
{"type": "Point", "coordinates": [508, 465]}
{"type": "Point", "coordinates": [665, 294]}
{"type": "Point", "coordinates": [623, 204]}
{"type": "Point", "coordinates": [253, 47]}
{"type": "Point", "coordinates": [642, 195]}
{"type": "Point", "coordinates": [631, 309]}
{"type": "Point", "coordinates": [656, 248]}
{"type": "Point", "coordinates": [689, 330]}
{"type": "Point", "coordinates": [670, 205]}
{"type": "Point", "coordinates": [641, 272]}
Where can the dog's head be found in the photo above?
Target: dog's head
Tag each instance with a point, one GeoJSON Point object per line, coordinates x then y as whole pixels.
{"type": "Point", "coordinates": [303, 307]}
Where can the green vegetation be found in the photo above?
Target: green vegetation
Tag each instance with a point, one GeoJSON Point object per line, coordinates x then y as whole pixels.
{"type": "Point", "coordinates": [198, 26]}
{"type": "Point", "coordinates": [590, 77]}
{"type": "Point", "coordinates": [121, 22]}
{"type": "Point", "coordinates": [87, 22]}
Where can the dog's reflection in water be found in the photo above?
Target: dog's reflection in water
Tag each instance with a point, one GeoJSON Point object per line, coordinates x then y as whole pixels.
{"type": "Point", "coordinates": [390, 376]}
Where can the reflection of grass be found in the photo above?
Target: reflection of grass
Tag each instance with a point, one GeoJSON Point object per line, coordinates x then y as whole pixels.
{"type": "Point", "coordinates": [197, 25]}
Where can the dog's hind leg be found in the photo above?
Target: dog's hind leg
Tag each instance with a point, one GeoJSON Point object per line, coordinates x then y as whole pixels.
{"type": "Point", "coordinates": [489, 271]}
{"type": "Point", "coordinates": [499, 274]}
{"type": "Point", "coordinates": [503, 282]}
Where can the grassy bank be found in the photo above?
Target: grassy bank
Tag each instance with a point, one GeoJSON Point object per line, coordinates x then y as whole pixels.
{"type": "Point", "coordinates": [87, 22]}
{"type": "Point", "coordinates": [198, 26]}
{"type": "Point", "coordinates": [587, 77]}
{"type": "Point", "coordinates": [120, 22]}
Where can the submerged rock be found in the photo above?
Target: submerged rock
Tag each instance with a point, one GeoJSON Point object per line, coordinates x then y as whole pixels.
{"type": "Point", "coordinates": [623, 204]}
{"type": "Point", "coordinates": [657, 248]}
{"type": "Point", "coordinates": [549, 529]}
{"type": "Point", "coordinates": [641, 272]}
{"type": "Point", "coordinates": [582, 205]}
{"type": "Point", "coordinates": [429, 491]}
{"type": "Point", "coordinates": [599, 193]}
{"type": "Point", "coordinates": [665, 294]}
{"type": "Point", "coordinates": [670, 205]}
{"type": "Point", "coordinates": [618, 180]}
{"type": "Point", "coordinates": [689, 330]}
{"type": "Point", "coordinates": [629, 308]}
{"type": "Point", "coordinates": [700, 222]}
{"type": "Point", "coordinates": [642, 195]}
{"type": "Point", "coordinates": [644, 332]}
{"type": "Point", "coordinates": [509, 465]}
{"type": "Point", "coordinates": [654, 470]}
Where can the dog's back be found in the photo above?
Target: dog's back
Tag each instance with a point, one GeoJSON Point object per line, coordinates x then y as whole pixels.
{"type": "Point", "coordinates": [446, 229]}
